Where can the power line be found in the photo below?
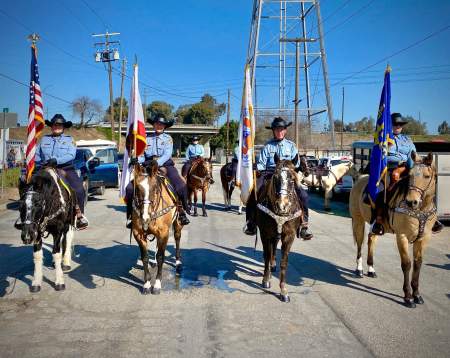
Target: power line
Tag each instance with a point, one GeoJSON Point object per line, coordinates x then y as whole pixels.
{"type": "Point", "coordinates": [95, 13]}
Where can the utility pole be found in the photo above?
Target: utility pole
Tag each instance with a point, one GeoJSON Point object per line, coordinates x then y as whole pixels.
{"type": "Point", "coordinates": [105, 53]}
{"type": "Point", "coordinates": [325, 73]}
{"type": "Point", "coordinates": [342, 121]}
{"type": "Point", "coordinates": [297, 42]}
{"type": "Point", "coordinates": [228, 128]}
{"type": "Point", "coordinates": [124, 63]}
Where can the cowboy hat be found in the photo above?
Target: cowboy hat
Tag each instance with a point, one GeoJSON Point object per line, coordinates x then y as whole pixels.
{"type": "Point", "coordinates": [58, 119]}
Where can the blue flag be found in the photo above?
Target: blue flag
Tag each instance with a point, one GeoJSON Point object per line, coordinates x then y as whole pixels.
{"type": "Point", "coordinates": [382, 138]}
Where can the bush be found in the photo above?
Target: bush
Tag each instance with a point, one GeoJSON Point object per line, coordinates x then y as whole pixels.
{"type": "Point", "coordinates": [11, 177]}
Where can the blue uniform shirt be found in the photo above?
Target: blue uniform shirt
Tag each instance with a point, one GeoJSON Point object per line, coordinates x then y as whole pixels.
{"type": "Point", "coordinates": [194, 150]}
{"type": "Point", "coordinates": [401, 150]}
{"type": "Point", "coordinates": [159, 146]}
{"type": "Point", "coordinates": [62, 148]}
{"type": "Point", "coordinates": [236, 153]}
{"type": "Point", "coordinates": [285, 149]}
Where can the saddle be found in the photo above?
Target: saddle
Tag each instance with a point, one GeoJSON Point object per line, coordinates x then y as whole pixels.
{"type": "Point", "coordinates": [169, 187]}
{"type": "Point", "coordinates": [61, 180]}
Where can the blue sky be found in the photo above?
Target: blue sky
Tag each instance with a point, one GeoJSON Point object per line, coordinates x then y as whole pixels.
{"type": "Point", "coordinates": [186, 48]}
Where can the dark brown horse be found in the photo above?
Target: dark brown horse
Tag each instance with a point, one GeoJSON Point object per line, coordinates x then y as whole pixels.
{"type": "Point", "coordinates": [198, 179]}
{"type": "Point", "coordinates": [228, 184]}
{"type": "Point", "coordinates": [278, 217]}
{"type": "Point", "coordinates": [154, 211]}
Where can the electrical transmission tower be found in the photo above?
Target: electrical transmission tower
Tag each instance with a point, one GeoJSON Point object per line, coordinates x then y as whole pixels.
{"type": "Point", "coordinates": [286, 39]}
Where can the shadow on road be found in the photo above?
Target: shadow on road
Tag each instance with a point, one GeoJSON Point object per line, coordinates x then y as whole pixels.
{"type": "Point", "coordinates": [121, 208]}
{"type": "Point", "coordinates": [444, 266]}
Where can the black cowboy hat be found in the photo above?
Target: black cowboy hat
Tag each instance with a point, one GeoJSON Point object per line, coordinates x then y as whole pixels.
{"type": "Point", "coordinates": [279, 122]}
{"type": "Point", "coordinates": [161, 119]}
{"type": "Point", "coordinates": [397, 119]}
{"type": "Point", "coordinates": [58, 119]}
{"type": "Point", "coordinates": [195, 138]}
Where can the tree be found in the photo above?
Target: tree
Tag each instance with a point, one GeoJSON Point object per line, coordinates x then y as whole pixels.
{"type": "Point", "coordinates": [338, 125]}
{"type": "Point", "coordinates": [220, 139]}
{"type": "Point", "coordinates": [206, 112]}
{"type": "Point", "coordinates": [414, 126]}
{"type": "Point", "coordinates": [443, 128]}
{"type": "Point", "coordinates": [89, 110]}
{"type": "Point", "coordinates": [159, 108]}
{"type": "Point", "coordinates": [365, 125]}
{"type": "Point", "coordinates": [116, 105]}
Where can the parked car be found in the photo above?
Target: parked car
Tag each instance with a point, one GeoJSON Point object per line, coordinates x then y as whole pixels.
{"type": "Point", "coordinates": [108, 169]}
{"type": "Point", "coordinates": [84, 165]}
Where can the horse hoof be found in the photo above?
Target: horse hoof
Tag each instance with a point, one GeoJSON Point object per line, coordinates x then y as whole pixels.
{"type": "Point", "coordinates": [285, 298]}
{"type": "Point", "coordinates": [145, 290]}
{"type": "Point", "coordinates": [327, 209]}
{"type": "Point", "coordinates": [179, 269]}
{"type": "Point", "coordinates": [419, 300]}
{"type": "Point", "coordinates": [359, 273]}
{"type": "Point", "coordinates": [60, 287]}
{"type": "Point", "coordinates": [194, 214]}
{"type": "Point", "coordinates": [372, 274]}
{"type": "Point", "coordinates": [35, 289]}
{"type": "Point", "coordinates": [266, 284]}
{"type": "Point", "coordinates": [65, 268]}
{"type": "Point", "coordinates": [273, 268]}
{"type": "Point", "coordinates": [205, 215]}
{"type": "Point", "coordinates": [156, 291]}
{"type": "Point", "coordinates": [409, 303]}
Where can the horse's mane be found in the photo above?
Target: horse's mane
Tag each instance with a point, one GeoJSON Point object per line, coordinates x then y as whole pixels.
{"type": "Point", "coordinates": [200, 166]}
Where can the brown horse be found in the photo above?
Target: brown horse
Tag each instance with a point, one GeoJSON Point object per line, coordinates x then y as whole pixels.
{"type": "Point", "coordinates": [228, 184]}
{"type": "Point", "coordinates": [198, 178]}
{"type": "Point", "coordinates": [154, 211]}
{"type": "Point", "coordinates": [411, 215]}
{"type": "Point", "coordinates": [278, 217]}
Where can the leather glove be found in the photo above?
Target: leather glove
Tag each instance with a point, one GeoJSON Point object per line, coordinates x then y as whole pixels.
{"type": "Point", "coordinates": [51, 162]}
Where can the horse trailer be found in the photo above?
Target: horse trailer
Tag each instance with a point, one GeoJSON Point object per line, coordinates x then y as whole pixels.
{"type": "Point", "coordinates": [441, 152]}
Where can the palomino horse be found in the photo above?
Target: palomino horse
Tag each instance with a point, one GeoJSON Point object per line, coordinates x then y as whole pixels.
{"type": "Point", "coordinates": [47, 206]}
{"type": "Point", "coordinates": [278, 216]}
{"type": "Point", "coordinates": [327, 182]}
{"type": "Point", "coordinates": [411, 215]}
{"type": "Point", "coordinates": [154, 211]}
{"type": "Point", "coordinates": [198, 178]}
{"type": "Point", "coordinates": [228, 185]}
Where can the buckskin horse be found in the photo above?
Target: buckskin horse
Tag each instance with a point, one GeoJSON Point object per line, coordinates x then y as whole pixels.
{"type": "Point", "coordinates": [47, 205]}
{"type": "Point", "coordinates": [228, 184]}
{"type": "Point", "coordinates": [198, 178]}
{"type": "Point", "coordinates": [154, 211]}
{"type": "Point", "coordinates": [278, 217]}
{"type": "Point", "coordinates": [411, 213]}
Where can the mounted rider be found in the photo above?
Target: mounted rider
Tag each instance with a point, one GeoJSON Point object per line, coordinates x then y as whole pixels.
{"type": "Point", "coordinates": [160, 148]}
{"type": "Point", "coordinates": [58, 150]}
{"type": "Point", "coordinates": [193, 152]}
{"type": "Point", "coordinates": [286, 150]}
{"type": "Point", "coordinates": [399, 161]}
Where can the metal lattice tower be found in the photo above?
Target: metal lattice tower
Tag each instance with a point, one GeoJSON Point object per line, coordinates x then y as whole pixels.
{"type": "Point", "coordinates": [287, 36]}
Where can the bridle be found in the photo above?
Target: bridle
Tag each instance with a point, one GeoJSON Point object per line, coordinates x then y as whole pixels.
{"type": "Point", "coordinates": [422, 192]}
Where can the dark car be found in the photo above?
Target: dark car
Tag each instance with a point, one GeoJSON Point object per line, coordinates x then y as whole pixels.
{"type": "Point", "coordinates": [85, 165]}
{"type": "Point", "coordinates": [107, 171]}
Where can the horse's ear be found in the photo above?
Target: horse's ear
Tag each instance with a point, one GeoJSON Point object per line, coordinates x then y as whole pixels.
{"type": "Point", "coordinates": [414, 156]}
{"type": "Point", "coordinates": [276, 158]}
{"type": "Point", "coordinates": [296, 161]}
{"type": "Point", "coordinates": [428, 160]}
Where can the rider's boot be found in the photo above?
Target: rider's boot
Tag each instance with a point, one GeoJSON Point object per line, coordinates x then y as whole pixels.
{"type": "Point", "coordinates": [211, 181]}
{"type": "Point", "coordinates": [378, 228]}
{"type": "Point", "coordinates": [81, 220]}
{"type": "Point", "coordinates": [250, 228]}
{"type": "Point", "coordinates": [437, 227]}
{"type": "Point", "coordinates": [182, 216]}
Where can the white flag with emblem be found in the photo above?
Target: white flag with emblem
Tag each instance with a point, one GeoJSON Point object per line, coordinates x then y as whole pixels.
{"type": "Point", "coordinates": [244, 172]}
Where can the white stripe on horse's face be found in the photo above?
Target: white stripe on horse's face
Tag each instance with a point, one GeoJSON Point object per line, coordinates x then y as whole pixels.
{"type": "Point", "coordinates": [28, 206]}
{"type": "Point", "coordinates": [145, 185]}
{"type": "Point", "coordinates": [284, 183]}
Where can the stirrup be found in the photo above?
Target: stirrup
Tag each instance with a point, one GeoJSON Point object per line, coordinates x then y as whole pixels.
{"type": "Point", "coordinates": [81, 223]}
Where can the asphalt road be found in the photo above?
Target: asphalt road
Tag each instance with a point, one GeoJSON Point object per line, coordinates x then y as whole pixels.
{"type": "Point", "coordinates": [217, 307]}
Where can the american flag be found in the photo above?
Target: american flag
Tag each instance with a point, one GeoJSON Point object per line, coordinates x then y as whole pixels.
{"type": "Point", "coordinates": [35, 114]}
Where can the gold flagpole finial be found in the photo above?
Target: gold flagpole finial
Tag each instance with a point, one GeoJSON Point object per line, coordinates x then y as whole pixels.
{"type": "Point", "coordinates": [388, 67]}
{"type": "Point", "coordinates": [34, 38]}
{"type": "Point", "coordinates": [135, 61]}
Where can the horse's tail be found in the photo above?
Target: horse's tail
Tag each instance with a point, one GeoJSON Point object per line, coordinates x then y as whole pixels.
{"type": "Point", "coordinates": [358, 221]}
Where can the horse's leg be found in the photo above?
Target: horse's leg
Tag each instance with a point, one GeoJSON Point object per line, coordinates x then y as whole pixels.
{"type": "Point", "coordinates": [195, 203]}
{"type": "Point", "coordinates": [372, 239]}
{"type": "Point", "coordinates": [177, 236]}
{"type": "Point", "coordinates": [189, 200]}
{"type": "Point", "coordinates": [67, 258]}
{"type": "Point", "coordinates": [327, 198]}
{"type": "Point", "coordinates": [57, 259]}
{"type": "Point", "coordinates": [267, 251]}
{"type": "Point", "coordinates": [286, 243]}
{"type": "Point", "coordinates": [160, 255]}
{"type": "Point", "coordinates": [402, 244]}
{"type": "Point", "coordinates": [273, 259]}
{"type": "Point", "coordinates": [418, 248]}
{"type": "Point", "coordinates": [225, 198]}
{"type": "Point", "coordinates": [142, 242]}
{"type": "Point", "coordinates": [37, 259]}
{"type": "Point", "coordinates": [204, 190]}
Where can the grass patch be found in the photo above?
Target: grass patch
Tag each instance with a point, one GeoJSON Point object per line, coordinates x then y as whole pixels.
{"type": "Point", "coordinates": [11, 177]}
{"type": "Point", "coordinates": [108, 133]}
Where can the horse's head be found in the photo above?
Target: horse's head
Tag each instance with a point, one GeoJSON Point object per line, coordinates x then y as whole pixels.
{"type": "Point", "coordinates": [145, 194]}
{"type": "Point", "coordinates": [304, 167]}
{"type": "Point", "coordinates": [203, 168]}
{"type": "Point", "coordinates": [422, 181]}
{"type": "Point", "coordinates": [282, 189]}
{"type": "Point", "coordinates": [32, 209]}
